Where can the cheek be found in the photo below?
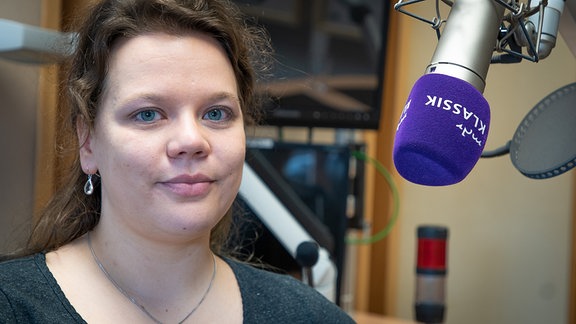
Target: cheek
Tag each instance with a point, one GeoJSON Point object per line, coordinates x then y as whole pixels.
{"type": "Point", "coordinates": [122, 159]}
{"type": "Point", "coordinates": [233, 171]}
{"type": "Point", "coordinates": [234, 160]}
{"type": "Point", "coordinates": [235, 164]}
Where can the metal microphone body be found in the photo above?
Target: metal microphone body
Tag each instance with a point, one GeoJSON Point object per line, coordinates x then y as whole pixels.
{"type": "Point", "coordinates": [548, 25]}
{"type": "Point", "coordinates": [465, 48]}
{"type": "Point", "coordinates": [429, 305]}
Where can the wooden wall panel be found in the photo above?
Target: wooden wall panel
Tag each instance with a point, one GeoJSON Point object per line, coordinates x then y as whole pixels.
{"type": "Point", "coordinates": [46, 124]}
{"type": "Point", "coordinates": [382, 288]}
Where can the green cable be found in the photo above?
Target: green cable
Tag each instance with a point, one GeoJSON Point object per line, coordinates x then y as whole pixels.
{"type": "Point", "coordinates": [395, 197]}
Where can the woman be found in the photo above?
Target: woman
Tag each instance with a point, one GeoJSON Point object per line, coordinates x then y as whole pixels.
{"type": "Point", "coordinates": [160, 93]}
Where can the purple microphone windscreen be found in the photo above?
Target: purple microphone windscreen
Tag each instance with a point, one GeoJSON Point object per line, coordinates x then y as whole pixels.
{"type": "Point", "coordinates": [442, 131]}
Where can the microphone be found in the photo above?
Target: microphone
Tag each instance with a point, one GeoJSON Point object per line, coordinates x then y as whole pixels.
{"type": "Point", "coordinates": [307, 255]}
{"type": "Point", "coordinates": [429, 306]}
{"type": "Point", "coordinates": [543, 28]}
{"type": "Point", "coordinates": [445, 122]}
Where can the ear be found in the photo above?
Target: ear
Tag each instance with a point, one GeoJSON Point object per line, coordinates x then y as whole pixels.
{"type": "Point", "coordinates": [85, 142]}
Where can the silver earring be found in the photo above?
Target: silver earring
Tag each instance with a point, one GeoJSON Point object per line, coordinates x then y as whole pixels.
{"type": "Point", "coordinates": [89, 186]}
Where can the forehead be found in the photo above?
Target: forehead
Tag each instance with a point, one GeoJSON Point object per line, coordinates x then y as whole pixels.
{"type": "Point", "coordinates": [160, 48]}
{"type": "Point", "coordinates": [162, 61]}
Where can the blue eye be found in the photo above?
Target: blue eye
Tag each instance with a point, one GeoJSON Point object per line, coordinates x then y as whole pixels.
{"type": "Point", "coordinates": [147, 115]}
{"type": "Point", "coordinates": [214, 114]}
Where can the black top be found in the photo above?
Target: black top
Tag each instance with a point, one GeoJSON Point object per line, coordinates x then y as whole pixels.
{"type": "Point", "coordinates": [30, 294]}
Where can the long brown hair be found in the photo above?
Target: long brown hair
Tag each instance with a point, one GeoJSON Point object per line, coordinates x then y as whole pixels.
{"type": "Point", "coordinates": [70, 213]}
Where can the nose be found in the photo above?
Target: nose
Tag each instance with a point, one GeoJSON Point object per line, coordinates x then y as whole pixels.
{"type": "Point", "coordinates": [187, 138]}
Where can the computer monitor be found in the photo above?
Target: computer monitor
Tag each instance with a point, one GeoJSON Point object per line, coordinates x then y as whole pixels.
{"type": "Point", "coordinates": [329, 61]}
{"type": "Point", "coordinates": [316, 185]}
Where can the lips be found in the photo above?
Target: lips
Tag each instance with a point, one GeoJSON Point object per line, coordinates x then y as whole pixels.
{"type": "Point", "coordinates": [189, 185]}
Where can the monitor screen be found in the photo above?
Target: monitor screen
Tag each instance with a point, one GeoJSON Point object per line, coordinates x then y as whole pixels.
{"type": "Point", "coordinates": [328, 61]}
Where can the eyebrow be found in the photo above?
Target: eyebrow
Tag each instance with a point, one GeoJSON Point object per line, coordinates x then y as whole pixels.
{"type": "Point", "coordinates": [153, 97]}
{"type": "Point", "coordinates": [225, 95]}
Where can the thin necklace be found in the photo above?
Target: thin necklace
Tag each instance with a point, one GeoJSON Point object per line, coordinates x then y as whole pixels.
{"type": "Point", "coordinates": [133, 300]}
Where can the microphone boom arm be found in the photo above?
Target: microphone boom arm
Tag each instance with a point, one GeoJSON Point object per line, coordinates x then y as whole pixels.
{"type": "Point", "coordinates": [520, 29]}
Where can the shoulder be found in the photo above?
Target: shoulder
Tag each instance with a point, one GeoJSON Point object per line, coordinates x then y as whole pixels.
{"type": "Point", "coordinates": [20, 268]}
{"type": "Point", "coordinates": [29, 293]}
{"type": "Point", "coordinates": [19, 280]}
{"type": "Point", "coordinates": [268, 296]}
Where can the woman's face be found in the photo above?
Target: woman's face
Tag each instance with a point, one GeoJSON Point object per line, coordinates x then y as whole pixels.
{"type": "Point", "coordinates": [168, 141]}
